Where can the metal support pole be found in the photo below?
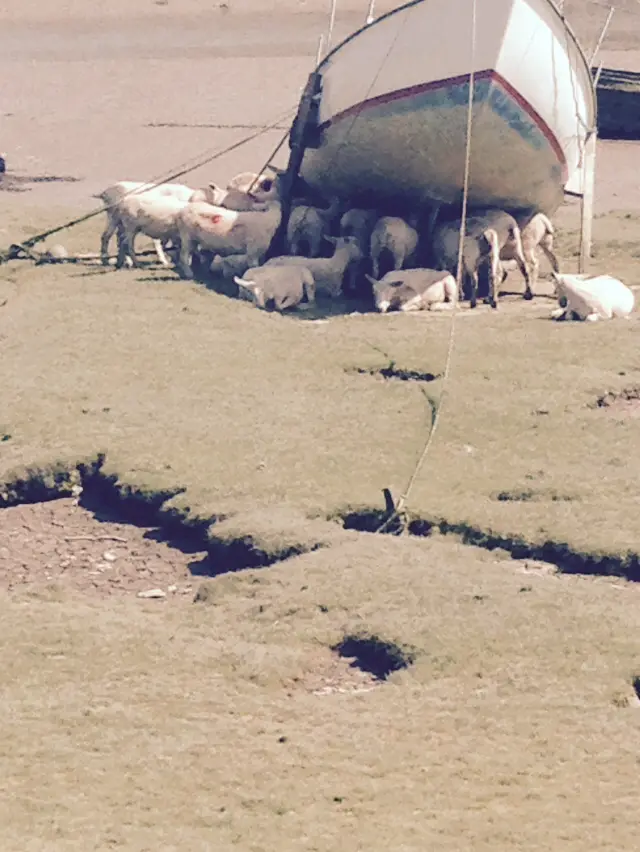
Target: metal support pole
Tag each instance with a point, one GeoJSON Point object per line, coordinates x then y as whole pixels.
{"type": "Point", "coordinates": [588, 191]}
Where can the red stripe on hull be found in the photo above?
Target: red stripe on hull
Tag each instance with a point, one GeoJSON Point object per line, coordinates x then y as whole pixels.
{"type": "Point", "coordinates": [492, 76]}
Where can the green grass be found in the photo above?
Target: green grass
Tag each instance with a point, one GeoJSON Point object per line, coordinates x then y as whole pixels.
{"type": "Point", "coordinates": [169, 725]}
{"type": "Point", "coordinates": [182, 725]}
{"type": "Point", "coordinates": [182, 388]}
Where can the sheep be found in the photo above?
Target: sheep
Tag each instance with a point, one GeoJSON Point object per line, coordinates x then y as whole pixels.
{"type": "Point", "coordinates": [536, 231]}
{"type": "Point", "coordinates": [283, 287]}
{"type": "Point", "coordinates": [156, 216]}
{"type": "Point", "coordinates": [392, 236]}
{"type": "Point", "coordinates": [248, 181]}
{"type": "Point", "coordinates": [229, 232]}
{"type": "Point", "coordinates": [307, 227]}
{"type": "Point", "coordinates": [230, 266]}
{"type": "Point", "coordinates": [592, 298]}
{"type": "Point", "coordinates": [328, 272]}
{"type": "Point", "coordinates": [115, 194]}
{"type": "Point", "coordinates": [359, 223]}
{"type": "Point", "coordinates": [486, 234]}
{"type": "Point", "coordinates": [415, 290]}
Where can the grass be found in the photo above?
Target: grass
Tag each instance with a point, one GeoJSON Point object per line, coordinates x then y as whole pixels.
{"type": "Point", "coordinates": [186, 726]}
{"type": "Point", "coordinates": [507, 719]}
{"type": "Point", "coordinates": [234, 410]}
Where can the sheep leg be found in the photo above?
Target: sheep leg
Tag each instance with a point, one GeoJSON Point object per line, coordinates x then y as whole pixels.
{"type": "Point", "coordinates": [472, 277]}
{"type": "Point", "coordinates": [129, 238]}
{"type": "Point", "coordinates": [109, 231]}
{"type": "Point", "coordinates": [122, 257]}
{"type": "Point", "coordinates": [162, 257]}
{"type": "Point", "coordinates": [184, 261]}
{"type": "Point", "coordinates": [553, 260]}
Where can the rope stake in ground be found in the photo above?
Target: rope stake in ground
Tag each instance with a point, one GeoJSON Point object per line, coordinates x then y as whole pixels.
{"type": "Point", "coordinates": [400, 507]}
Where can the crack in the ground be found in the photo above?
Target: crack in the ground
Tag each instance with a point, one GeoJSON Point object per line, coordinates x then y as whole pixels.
{"type": "Point", "coordinates": [395, 373]}
{"type": "Point", "coordinates": [100, 492]}
{"type": "Point", "coordinates": [565, 558]}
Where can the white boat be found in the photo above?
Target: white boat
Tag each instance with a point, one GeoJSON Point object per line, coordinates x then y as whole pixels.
{"type": "Point", "coordinates": [392, 106]}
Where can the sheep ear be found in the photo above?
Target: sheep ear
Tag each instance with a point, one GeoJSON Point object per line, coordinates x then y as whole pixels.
{"type": "Point", "coordinates": [369, 278]}
{"type": "Point", "coordinates": [329, 239]}
{"type": "Point", "coordinates": [242, 282]}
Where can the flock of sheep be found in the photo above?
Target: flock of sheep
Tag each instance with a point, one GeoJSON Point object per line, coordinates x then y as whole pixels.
{"type": "Point", "coordinates": [408, 267]}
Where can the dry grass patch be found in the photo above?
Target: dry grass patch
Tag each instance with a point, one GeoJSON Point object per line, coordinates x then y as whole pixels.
{"type": "Point", "coordinates": [230, 721]}
{"type": "Point", "coordinates": [216, 408]}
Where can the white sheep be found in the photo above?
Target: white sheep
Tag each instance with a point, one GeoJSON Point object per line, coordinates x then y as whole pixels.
{"type": "Point", "coordinates": [392, 238]}
{"type": "Point", "coordinates": [114, 195]}
{"type": "Point", "coordinates": [150, 214]}
{"type": "Point", "coordinates": [536, 232]}
{"type": "Point", "coordinates": [328, 272]}
{"type": "Point", "coordinates": [229, 232]}
{"type": "Point", "coordinates": [415, 290]}
{"type": "Point", "coordinates": [308, 226]}
{"type": "Point", "coordinates": [486, 234]}
{"type": "Point", "coordinates": [283, 287]}
{"type": "Point", "coordinates": [592, 297]}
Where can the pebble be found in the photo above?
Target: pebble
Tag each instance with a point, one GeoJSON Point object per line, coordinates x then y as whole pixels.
{"type": "Point", "coordinates": [109, 556]}
{"type": "Point", "coordinates": [152, 593]}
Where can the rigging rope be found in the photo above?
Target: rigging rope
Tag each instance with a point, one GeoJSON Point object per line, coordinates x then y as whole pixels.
{"type": "Point", "coordinates": [404, 497]}
{"type": "Point", "coordinates": [183, 169]}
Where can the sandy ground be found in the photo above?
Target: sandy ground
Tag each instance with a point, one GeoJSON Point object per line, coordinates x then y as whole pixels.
{"type": "Point", "coordinates": [137, 90]}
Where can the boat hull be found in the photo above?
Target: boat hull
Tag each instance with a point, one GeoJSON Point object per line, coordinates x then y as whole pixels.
{"type": "Point", "coordinates": [394, 109]}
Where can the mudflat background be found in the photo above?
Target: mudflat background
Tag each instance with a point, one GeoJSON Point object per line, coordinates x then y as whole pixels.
{"type": "Point", "coordinates": [132, 90]}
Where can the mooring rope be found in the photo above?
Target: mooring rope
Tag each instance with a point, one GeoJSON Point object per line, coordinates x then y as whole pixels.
{"type": "Point", "coordinates": [182, 170]}
{"type": "Point", "coordinates": [437, 414]}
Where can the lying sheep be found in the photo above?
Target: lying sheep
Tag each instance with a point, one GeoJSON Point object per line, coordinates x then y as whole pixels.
{"type": "Point", "coordinates": [415, 290]}
{"type": "Point", "coordinates": [229, 232]}
{"type": "Point", "coordinates": [393, 241]}
{"type": "Point", "coordinates": [536, 232]}
{"type": "Point", "coordinates": [308, 226]}
{"type": "Point", "coordinates": [592, 298]}
{"type": "Point", "coordinates": [486, 235]}
{"type": "Point", "coordinates": [328, 272]}
{"type": "Point", "coordinates": [279, 287]}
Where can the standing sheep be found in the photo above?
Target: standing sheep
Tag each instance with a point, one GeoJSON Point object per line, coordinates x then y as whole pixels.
{"type": "Point", "coordinates": [229, 232]}
{"type": "Point", "coordinates": [393, 243]}
{"type": "Point", "coordinates": [486, 234]}
{"type": "Point", "coordinates": [536, 232]}
{"type": "Point", "coordinates": [308, 226]}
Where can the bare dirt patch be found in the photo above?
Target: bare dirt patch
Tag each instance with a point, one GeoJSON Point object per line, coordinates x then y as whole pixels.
{"type": "Point", "coordinates": [625, 402]}
{"type": "Point", "coordinates": [329, 673]}
{"type": "Point", "coordinates": [60, 544]}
